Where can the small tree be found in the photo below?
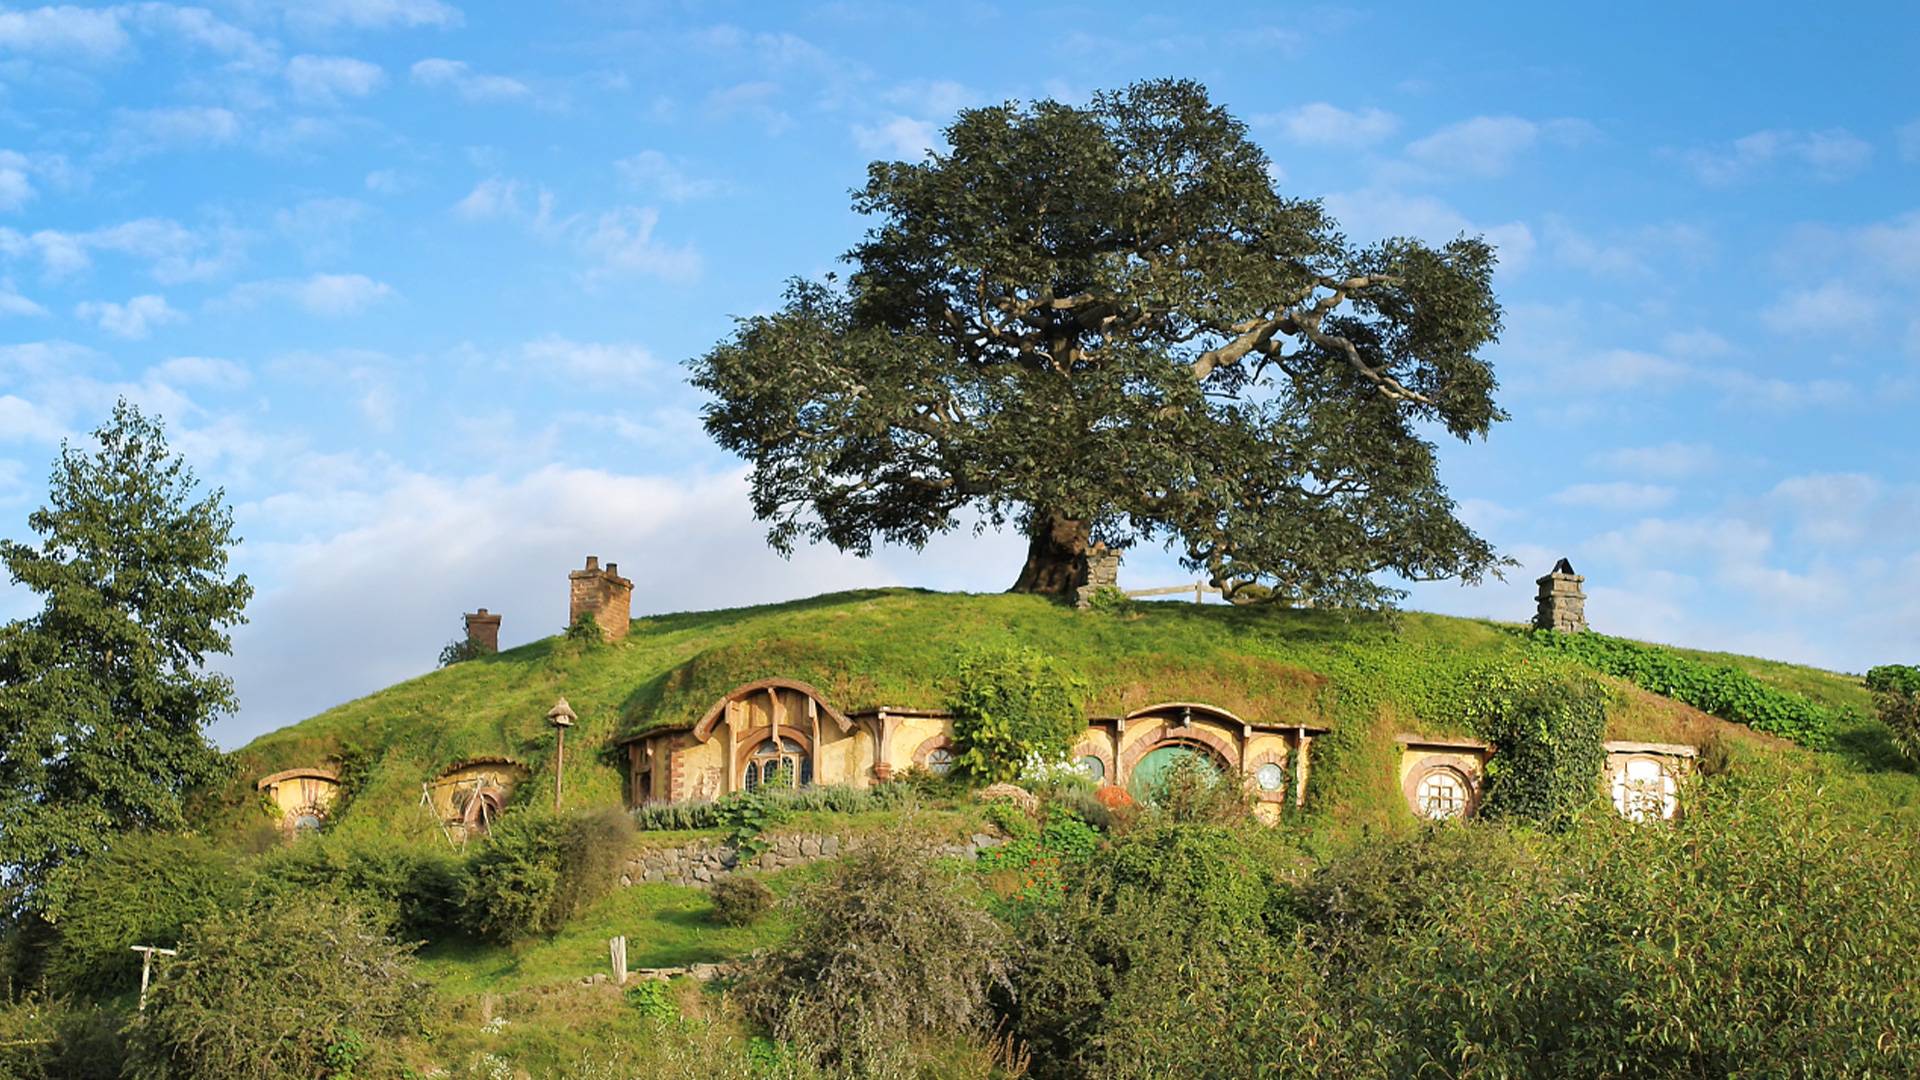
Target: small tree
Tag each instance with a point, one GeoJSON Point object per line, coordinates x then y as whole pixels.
{"type": "Point", "coordinates": [104, 693]}
{"type": "Point", "coordinates": [1010, 705]}
{"type": "Point", "coordinates": [1896, 696]}
{"type": "Point", "coordinates": [303, 986]}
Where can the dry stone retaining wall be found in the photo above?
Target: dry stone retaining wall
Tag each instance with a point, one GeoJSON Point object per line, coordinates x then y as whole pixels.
{"type": "Point", "coordinates": [699, 864]}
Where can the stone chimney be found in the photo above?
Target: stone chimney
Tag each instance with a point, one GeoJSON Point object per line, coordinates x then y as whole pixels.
{"type": "Point", "coordinates": [1099, 569]}
{"type": "Point", "coordinates": [483, 630]}
{"type": "Point", "coordinates": [604, 594]}
{"type": "Point", "coordinates": [1562, 606]}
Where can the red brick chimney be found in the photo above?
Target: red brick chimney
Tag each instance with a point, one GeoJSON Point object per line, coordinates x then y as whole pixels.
{"type": "Point", "coordinates": [483, 630]}
{"type": "Point", "coordinates": [604, 594]}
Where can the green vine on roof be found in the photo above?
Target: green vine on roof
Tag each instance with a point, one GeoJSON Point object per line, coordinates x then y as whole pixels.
{"type": "Point", "coordinates": [1726, 692]}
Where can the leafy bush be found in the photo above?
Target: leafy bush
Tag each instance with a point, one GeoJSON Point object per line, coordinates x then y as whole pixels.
{"type": "Point", "coordinates": [302, 986]}
{"type": "Point", "coordinates": [1032, 867]}
{"type": "Point", "coordinates": [1159, 960]}
{"type": "Point", "coordinates": [413, 889]}
{"type": "Point", "coordinates": [459, 651]}
{"type": "Point", "coordinates": [1010, 705]}
{"type": "Point", "coordinates": [1725, 692]}
{"type": "Point", "coordinates": [745, 815]}
{"type": "Point", "coordinates": [653, 999]}
{"type": "Point", "coordinates": [739, 899]}
{"type": "Point", "coordinates": [1896, 697]}
{"type": "Point", "coordinates": [893, 944]}
{"type": "Point", "coordinates": [144, 890]}
{"type": "Point", "coordinates": [537, 869]}
{"type": "Point", "coordinates": [1550, 724]}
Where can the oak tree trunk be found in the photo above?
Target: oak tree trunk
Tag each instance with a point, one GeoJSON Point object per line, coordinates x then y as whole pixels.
{"type": "Point", "coordinates": [1055, 548]}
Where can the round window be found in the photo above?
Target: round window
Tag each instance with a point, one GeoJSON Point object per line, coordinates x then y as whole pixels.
{"type": "Point", "coordinates": [1270, 777]}
{"type": "Point", "coordinates": [1442, 795]}
{"type": "Point", "coordinates": [1092, 767]}
{"type": "Point", "coordinates": [306, 823]}
{"type": "Point", "coordinates": [940, 760]}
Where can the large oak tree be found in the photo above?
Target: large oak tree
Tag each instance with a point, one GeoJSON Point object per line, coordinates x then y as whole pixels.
{"type": "Point", "coordinates": [1105, 324]}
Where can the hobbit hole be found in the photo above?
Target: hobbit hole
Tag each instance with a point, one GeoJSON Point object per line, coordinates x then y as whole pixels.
{"type": "Point", "coordinates": [301, 797]}
{"type": "Point", "coordinates": [469, 796]}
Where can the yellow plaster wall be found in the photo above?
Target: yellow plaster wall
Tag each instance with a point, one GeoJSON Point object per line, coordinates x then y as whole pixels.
{"type": "Point", "coordinates": [296, 794]}
{"type": "Point", "coordinates": [907, 737]}
{"type": "Point", "coordinates": [1470, 762]}
{"type": "Point", "coordinates": [484, 774]}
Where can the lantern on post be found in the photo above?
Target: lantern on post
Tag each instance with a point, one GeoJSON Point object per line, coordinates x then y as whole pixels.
{"type": "Point", "coordinates": [561, 717]}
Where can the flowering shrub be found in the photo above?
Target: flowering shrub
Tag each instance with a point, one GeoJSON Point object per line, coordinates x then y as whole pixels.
{"type": "Point", "coordinates": [1010, 705]}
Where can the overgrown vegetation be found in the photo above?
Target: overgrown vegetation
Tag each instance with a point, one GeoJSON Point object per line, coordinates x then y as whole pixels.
{"type": "Point", "coordinates": [1011, 705]}
{"type": "Point", "coordinates": [1725, 692]}
{"type": "Point", "coordinates": [537, 869]}
{"type": "Point", "coordinates": [305, 986]}
{"type": "Point", "coordinates": [739, 899]}
{"type": "Point", "coordinates": [146, 889]}
{"type": "Point", "coordinates": [1896, 697]}
{"type": "Point", "coordinates": [894, 944]}
{"type": "Point", "coordinates": [775, 804]}
{"type": "Point", "coordinates": [1549, 721]}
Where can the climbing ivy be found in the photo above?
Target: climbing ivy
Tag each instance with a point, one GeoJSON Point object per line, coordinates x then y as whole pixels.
{"type": "Point", "coordinates": [1549, 720]}
{"type": "Point", "coordinates": [1012, 704]}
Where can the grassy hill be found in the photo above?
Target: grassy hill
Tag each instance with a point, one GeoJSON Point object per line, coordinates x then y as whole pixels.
{"type": "Point", "coordinates": [1365, 677]}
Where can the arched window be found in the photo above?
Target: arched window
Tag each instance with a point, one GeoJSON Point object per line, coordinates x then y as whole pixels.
{"type": "Point", "coordinates": [1270, 777]}
{"type": "Point", "coordinates": [1442, 794]}
{"type": "Point", "coordinates": [1092, 767]}
{"type": "Point", "coordinates": [940, 760]}
{"type": "Point", "coordinates": [777, 761]}
{"type": "Point", "coordinates": [1643, 789]}
{"type": "Point", "coordinates": [306, 821]}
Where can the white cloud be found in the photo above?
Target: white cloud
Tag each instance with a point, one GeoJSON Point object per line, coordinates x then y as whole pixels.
{"type": "Point", "coordinates": [1322, 124]}
{"type": "Point", "coordinates": [1831, 309]}
{"type": "Point", "coordinates": [1673, 459]}
{"type": "Point", "coordinates": [372, 602]}
{"type": "Point", "coordinates": [140, 132]}
{"type": "Point", "coordinates": [134, 319]}
{"type": "Point", "coordinates": [200, 27]}
{"type": "Point", "coordinates": [325, 80]}
{"type": "Point", "coordinates": [14, 305]}
{"type": "Point", "coordinates": [330, 295]}
{"type": "Point", "coordinates": [493, 197]}
{"type": "Point", "coordinates": [321, 228]}
{"type": "Point", "coordinates": [387, 182]}
{"type": "Point", "coordinates": [1833, 154]}
{"type": "Point", "coordinates": [63, 30]}
{"type": "Point", "coordinates": [1642, 251]}
{"type": "Point", "coordinates": [655, 172]}
{"type": "Point", "coordinates": [1378, 213]}
{"type": "Point", "coordinates": [458, 76]}
{"type": "Point", "coordinates": [753, 99]}
{"type": "Point", "coordinates": [596, 361]}
{"type": "Point", "coordinates": [208, 371]}
{"type": "Point", "coordinates": [1487, 146]}
{"type": "Point", "coordinates": [1616, 495]}
{"type": "Point", "coordinates": [174, 253]}
{"type": "Point", "coordinates": [622, 240]}
{"type": "Point", "coordinates": [15, 189]}
{"type": "Point", "coordinates": [23, 421]}
{"type": "Point", "coordinates": [370, 14]}
{"type": "Point", "coordinates": [936, 97]}
{"type": "Point", "coordinates": [901, 136]}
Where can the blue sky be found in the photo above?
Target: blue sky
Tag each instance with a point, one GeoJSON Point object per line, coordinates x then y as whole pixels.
{"type": "Point", "coordinates": [414, 282]}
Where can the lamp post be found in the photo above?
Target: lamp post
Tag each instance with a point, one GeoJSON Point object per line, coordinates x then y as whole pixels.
{"type": "Point", "coordinates": [561, 717]}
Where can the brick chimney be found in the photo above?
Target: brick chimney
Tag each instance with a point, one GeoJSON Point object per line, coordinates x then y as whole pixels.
{"type": "Point", "coordinates": [604, 594]}
{"type": "Point", "coordinates": [483, 630]}
{"type": "Point", "coordinates": [1561, 606]}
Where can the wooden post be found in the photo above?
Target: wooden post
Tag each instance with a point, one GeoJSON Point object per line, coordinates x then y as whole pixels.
{"type": "Point", "coordinates": [146, 967]}
{"type": "Point", "coordinates": [559, 769]}
{"type": "Point", "coordinates": [617, 947]}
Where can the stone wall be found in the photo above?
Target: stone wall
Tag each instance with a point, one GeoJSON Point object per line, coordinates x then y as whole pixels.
{"type": "Point", "coordinates": [483, 630]}
{"type": "Point", "coordinates": [1099, 569]}
{"type": "Point", "coordinates": [698, 864]}
{"type": "Point", "coordinates": [603, 594]}
{"type": "Point", "coordinates": [1561, 605]}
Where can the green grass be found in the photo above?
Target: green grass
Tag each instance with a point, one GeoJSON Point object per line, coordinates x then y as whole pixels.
{"type": "Point", "coordinates": [1365, 676]}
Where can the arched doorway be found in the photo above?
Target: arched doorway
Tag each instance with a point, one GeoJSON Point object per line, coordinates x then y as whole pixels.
{"type": "Point", "coordinates": [1147, 780]}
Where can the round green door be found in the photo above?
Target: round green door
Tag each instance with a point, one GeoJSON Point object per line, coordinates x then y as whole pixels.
{"type": "Point", "coordinates": [1149, 776]}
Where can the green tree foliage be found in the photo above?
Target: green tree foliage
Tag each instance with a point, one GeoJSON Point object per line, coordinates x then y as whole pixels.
{"type": "Point", "coordinates": [1726, 692]}
{"type": "Point", "coordinates": [1011, 705]}
{"type": "Point", "coordinates": [1549, 721]}
{"type": "Point", "coordinates": [1896, 697]}
{"type": "Point", "coordinates": [886, 949]}
{"type": "Point", "coordinates": [306, 986]}
{"type": "Point", "coordinates": [145, 889]}
{"type": "Point", "coordinates": [104, 693]}
{"type": "Point", "coordinates": [537, 869]}
{"type": "Point", "coordinates": [410, 889]}
{"type": "Point", "coordinates": [1104, 323]}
